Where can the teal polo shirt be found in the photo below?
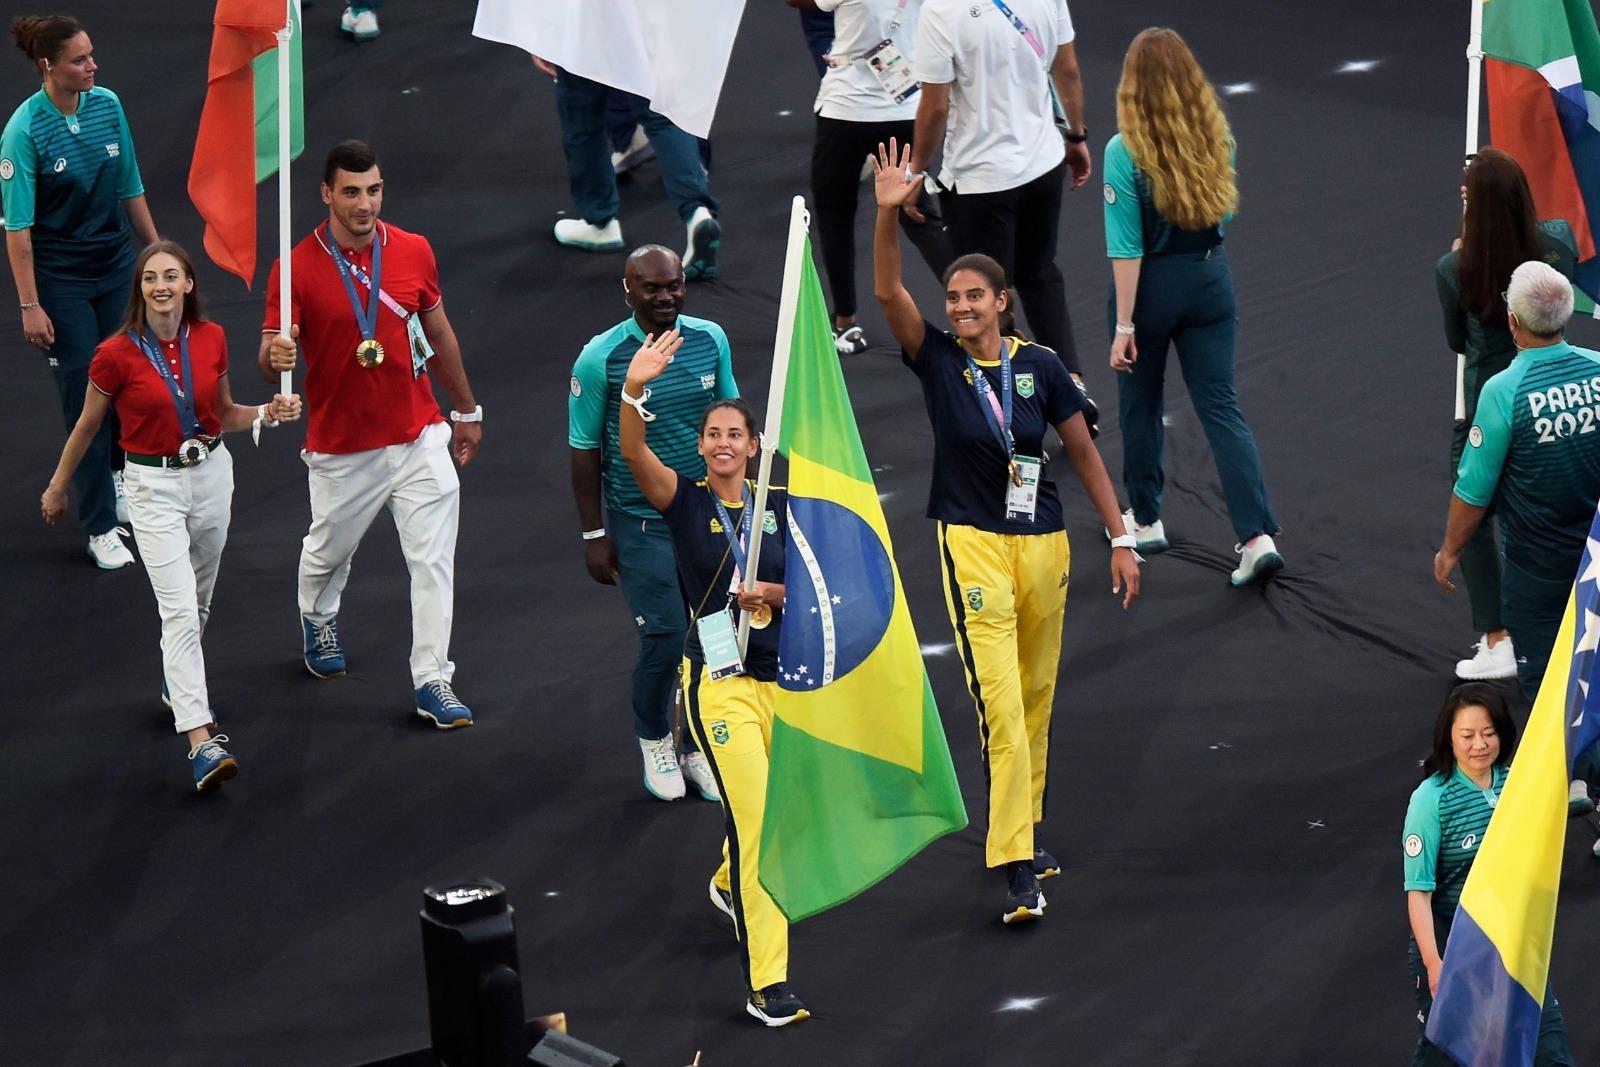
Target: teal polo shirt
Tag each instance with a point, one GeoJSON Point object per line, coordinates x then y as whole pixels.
{"type": "Point", "coordinates": [700, 372]}
{"type": "Point", "coordinates": [1134, 228]}
{"type": "Point", "coordinates": [1445, 823]}
{"type": "Point", "coordinates": [1534, 451]}
{"type": "Point", "coordinates": [64, 177]}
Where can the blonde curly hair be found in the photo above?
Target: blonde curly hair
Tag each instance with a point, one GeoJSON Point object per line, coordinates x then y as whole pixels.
{"type": "Point", "coordinates": [1173, 126]}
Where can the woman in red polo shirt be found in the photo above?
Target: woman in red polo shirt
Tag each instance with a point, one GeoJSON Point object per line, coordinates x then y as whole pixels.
{"type": "Point", "coordinates": [166, 372]}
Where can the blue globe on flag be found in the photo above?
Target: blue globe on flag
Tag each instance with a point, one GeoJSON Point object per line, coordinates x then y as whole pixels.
{"type": "Point", "coordinates": [838, 594]}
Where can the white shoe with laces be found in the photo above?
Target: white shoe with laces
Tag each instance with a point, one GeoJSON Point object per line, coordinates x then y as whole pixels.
{"type": "Point", "coordinates": [662, 776]}
{"type": "Point", "coordinates": [576, 233]}
{"type": "Point", "coordinates": [1148, 539]}
{"type": "Point", "coordinates": [1258, 561]}
{"type": "Point", "coordinates": [108, 551]}
{"type": "Point", "coordinates": [1486, 663]}
{"type": "Point", "coordinates": [122, 496]}
{"type": "Point", "coordinates": [697, 772]}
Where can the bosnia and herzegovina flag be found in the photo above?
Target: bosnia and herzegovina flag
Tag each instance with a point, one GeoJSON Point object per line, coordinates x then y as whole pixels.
{"type": "Point", "coordinates": [1542, 60]}
{"type": "Point", "coordinates": [860, 776]}
{"type": "Point", "coordinates": [1497, 961]}
{"type": "Point", "coordinates": [237, 146]}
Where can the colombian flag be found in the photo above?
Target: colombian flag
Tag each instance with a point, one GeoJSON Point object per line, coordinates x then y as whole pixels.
{"type": "Point", "coordinates": [238, 141]}
{"type": "Point", "coordinates": [860, 777]}
{"type": "Point", "coordinates": [1497, 960]}
{"type": "Point", "coordinates": [1542, 62]}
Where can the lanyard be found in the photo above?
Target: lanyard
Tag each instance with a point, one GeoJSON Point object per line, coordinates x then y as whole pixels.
{"type": "Point", "coordinates": [366, 318]}
{"type": "Point", "coordinates": [1022, 28]}
{"type": "Point", "coordinates": [894, 23]}
{"type": "Point", "coordinates": [997, 413]}
{"type": "Point", "coordinates": [735, 544]}
{"type": "Point", "coordinates": [183, 401]}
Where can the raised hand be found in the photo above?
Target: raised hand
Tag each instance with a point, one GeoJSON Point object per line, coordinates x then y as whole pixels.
{"type": "Point", "coordinates": [892, 180]}
{"type": "Point", "coordinates": [651, 359]}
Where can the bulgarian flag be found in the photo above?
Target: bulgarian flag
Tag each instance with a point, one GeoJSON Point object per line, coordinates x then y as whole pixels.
{"type": "Point", "coordinates": [1542, 60]}
{"type": "Point", "coordinates": [238, 143]}
{"type": "Point", "coordinates": [860, 777]}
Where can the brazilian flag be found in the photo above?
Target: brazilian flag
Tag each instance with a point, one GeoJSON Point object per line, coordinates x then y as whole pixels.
{"type": "Point", "coordinates": [861, 778]}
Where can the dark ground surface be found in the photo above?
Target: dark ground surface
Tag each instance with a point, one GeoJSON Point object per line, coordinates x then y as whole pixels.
{"type": "Point", "coordinates": [1230, 767]}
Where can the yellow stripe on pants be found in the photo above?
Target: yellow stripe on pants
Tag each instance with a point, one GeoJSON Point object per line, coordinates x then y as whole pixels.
{"type": "Point", "coordinates": [1007, 597]}
{"type": "Point", "coordinates": [732, 721]}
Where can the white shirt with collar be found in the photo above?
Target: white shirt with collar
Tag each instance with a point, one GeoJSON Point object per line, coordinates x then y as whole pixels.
{"type": "Point", "coordinates": [849, 91]}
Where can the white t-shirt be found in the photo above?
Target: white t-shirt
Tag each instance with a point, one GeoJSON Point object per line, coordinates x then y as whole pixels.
{"type": "Point", "coordinates": [1002, 131]}
{"type": "Point", "coordinates": [848, 90]}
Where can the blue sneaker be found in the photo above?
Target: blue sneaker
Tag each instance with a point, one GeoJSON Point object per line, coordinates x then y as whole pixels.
{"type": "Point", "coordinates": [324, 655]}
{"type": "Point", "coordinates": [437, 703]}
{"type": "Point", "coordinates": [212, 763]}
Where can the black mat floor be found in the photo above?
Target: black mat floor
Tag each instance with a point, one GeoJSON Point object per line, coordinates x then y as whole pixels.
{"type": "Point", "coordinates": [1230, 768]}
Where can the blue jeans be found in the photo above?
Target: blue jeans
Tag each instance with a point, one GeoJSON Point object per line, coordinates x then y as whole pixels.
{"type": "Point", "coordinates": [84, 313]}
{"type": "Point", "coordinates": [647, 570]}
{"type": "Point", "coordinates": [1186, 301]}
{"type": "Point", "coordinates": [581, 104]}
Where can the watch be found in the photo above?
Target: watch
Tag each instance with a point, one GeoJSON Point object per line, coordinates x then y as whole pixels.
{"type": "Point", "coordinates": [475, 415]}
{"type": "Point", "coordinates": [1075, 138]}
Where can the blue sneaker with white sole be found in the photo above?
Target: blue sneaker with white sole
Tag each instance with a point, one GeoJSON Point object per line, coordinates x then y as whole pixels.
{"type": "Point", "coordinates": [324, 655]}
{"type": "Point", "coordinates": [212, 763]}
{"type": "Point", "coordinates": [437, 703]}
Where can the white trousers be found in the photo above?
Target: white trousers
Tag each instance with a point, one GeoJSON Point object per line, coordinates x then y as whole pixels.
{"type": "Point", "coordinates": [418, 483]}
{"type": "Point", "coordinates": [180, 523]}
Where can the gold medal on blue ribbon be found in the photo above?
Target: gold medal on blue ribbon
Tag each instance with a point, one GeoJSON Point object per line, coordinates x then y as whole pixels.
{"type": "Point", "coordinates": [369, 353]}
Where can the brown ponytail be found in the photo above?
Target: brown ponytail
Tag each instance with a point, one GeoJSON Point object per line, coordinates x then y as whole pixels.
{"type": "Point", "coordinates": [44, 36]}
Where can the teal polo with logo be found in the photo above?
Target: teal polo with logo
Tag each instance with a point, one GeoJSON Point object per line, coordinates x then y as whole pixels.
{"type": "Point", "coordinates": [1534, 450]}
{"type": "Point", "coordinates": [1445, 823]}
{"type": "Point", "coordinates": [700, 372]}
{"type": "Point", "coordinates": [64, 177]}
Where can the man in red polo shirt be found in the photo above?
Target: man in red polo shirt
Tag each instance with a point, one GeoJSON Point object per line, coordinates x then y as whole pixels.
{"type": "Point", "coordinates": [367, 311]}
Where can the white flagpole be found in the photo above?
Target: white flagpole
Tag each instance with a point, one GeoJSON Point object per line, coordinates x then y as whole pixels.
{"type": "Point", "coordinates": [788, 306]}
{"type": "Point", "coordinates": [1474, 97]}
{"type": "Point", "coordinates": [285, 120]}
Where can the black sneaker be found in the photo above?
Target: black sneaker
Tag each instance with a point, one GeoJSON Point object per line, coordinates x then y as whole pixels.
{"type": "Point", "coordinates": [1044, 865]}
{"type": "Point", "coordinates": [722, 900]}
{"type": "Point", "coordinates": [849, 340]}
{"type": "Point", "coordinates": [776, 1006]}
{"type": "Point", "coordinates": [1091, 410]}
{"type": "Point", "coordinates": [1024, 901]}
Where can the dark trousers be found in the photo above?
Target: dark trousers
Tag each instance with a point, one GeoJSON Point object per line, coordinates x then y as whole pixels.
{"type": "Point", "coordinates": [84, 314]}
{"type": "Point", "coordinates": [1186, 301]}
{"type": "Point", "coordinates": [837, 152]}
{"type": "Point", "coordinates": [581, 104]}
{"type": "Point", "coordinates": [1532, 605]}
{"type": "Point", "coordinates": [1480, 557]}
{"type": "Point", "coordinates": [622, 118]}
{"type": "Point", "coordinates": [1018, 228]}
{"type": "Point", "coordinates": [647, 570]}
{"type": "Point", "coordinates": [1551, 1050]}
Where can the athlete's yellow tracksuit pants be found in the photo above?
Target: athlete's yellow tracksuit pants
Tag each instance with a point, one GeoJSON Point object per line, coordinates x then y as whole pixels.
{"type": "Point", "coordinates": [732, 721]}
{"type": "Point", "coordinates": [1007, 595]}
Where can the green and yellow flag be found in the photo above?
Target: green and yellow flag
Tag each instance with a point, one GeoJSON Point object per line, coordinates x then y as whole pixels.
{"type": "Point", "coordinates": [861, 778]}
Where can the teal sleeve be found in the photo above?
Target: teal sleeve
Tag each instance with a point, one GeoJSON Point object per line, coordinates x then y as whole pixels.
{"type": "Point", "coordinates": [1488, 441]}
{"type": "Point", "coordinates": [19, 159]}
{"type": "Point", "coordinates": [1455, 316]}
{"type": "Point", "coordinates": [1124, 229]}
{"type": "Point", "coordinates": [1420, 840]}
{"type": "Point", "coordinates": [727, 387]}
{"type": "Point", "coordinates": [586, 406]}
{"type": "Point", "coordinates": [129, 184]}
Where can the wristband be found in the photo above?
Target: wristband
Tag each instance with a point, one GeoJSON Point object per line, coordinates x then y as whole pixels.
{"type": "Point", "coordinates": [1125, 331]}
{"type": "Point", "coordinates": [261, 417]}
{"type": "Point", "coordinates": [1075, 138]}
{"type": "Point", "coordinates": [475, 415]}
{"type": "Point", "coordinates": [594, 535]}
{"type": "Point", "coordinates": [30, 305]}
{"type": "Point", "coordinates": [1125, 541]}
{"type": "Point", "coordinates": [637, 403]}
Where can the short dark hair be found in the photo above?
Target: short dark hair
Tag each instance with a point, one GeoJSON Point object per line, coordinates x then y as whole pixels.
{"type": "Point", "coordinates": [44, 36]}
{"type": "Point", "coordinates": [752, 427]}
{"type": "Point", "coordinates": [357, 157]}
{"type": "Point", "coordinates": [987, 266]}
{"type": "Point", "coordinates": [193, 309]}
{"type": "Point", "coordinates": [1441, 760]}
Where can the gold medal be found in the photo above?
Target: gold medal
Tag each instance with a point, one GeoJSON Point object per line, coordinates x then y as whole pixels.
{"type": "Point", "coordinates": [369, 353]}
{"type": "Point", "coordinates": [761, 618]}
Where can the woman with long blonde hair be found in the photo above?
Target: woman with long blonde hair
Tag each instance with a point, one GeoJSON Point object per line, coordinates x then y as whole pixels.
{"type": "Point", "coordinates": [1169, 191]}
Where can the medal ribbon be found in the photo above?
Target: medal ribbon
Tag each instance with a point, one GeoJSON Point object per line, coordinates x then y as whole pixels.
{"type": "Point", "coordinates": [183, 401]}
{"type": "Point", "coordinates": [1022, 28]}
{"type": "Point", "coordinates": [735, 544]}
{"type": "Point", "coordinates": [366, 318]}
{"type": "Point", "coordinates": [998, 417]}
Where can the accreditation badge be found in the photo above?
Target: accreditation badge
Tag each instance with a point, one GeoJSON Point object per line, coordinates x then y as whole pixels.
{"type": "Point", "coordinates": [1022, 494]}
{"type": "Point", "coordinates": [421, 350]}
{"type": "Point", "coordinates": [888, 64]}
{"type": "Point", "coordinates": [719, 644]}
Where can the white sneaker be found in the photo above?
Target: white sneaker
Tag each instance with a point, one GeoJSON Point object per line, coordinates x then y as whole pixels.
{"type": "Point", "coordinates": [1258, 561]}
{"type": "Point", "coordinates": [122, 496]}
{"type": "Point", "coordinates": [1486, 663]}
{"type": "Point", "coordinates": [697, 772]}
{"type": "Point", "coordinates": [1579, 802]}
{"type": "Point", "coordinates": [661, 774]}
{"type": "Point", "coordinates": [705, 237]}
{"type": "Point", "coordinates": [1149, 539]}
{"type": "Point", "coordinates": [108, 551]}
{"type": "Point", "coordinates": [639, 150]}
{"type": "Point", "coordinates": [359, 22]}
{"type": "Point", "coordinates": [576, 233]}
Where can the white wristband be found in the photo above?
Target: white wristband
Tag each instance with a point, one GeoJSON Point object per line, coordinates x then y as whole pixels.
{"type": "Point", "coordinates": [594, 535]}
{"type": "Point", "coordinates": [637, 403]}
{"type": "Point", "coordinates": [475, 415]}
{"type": "Point", "coordinates": [1126, 331]}
{"type": "Point", "coordinates": [261, 416]}
{"type": "Point", "coordinates": [1125, 541]}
